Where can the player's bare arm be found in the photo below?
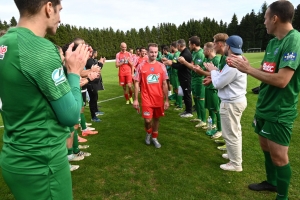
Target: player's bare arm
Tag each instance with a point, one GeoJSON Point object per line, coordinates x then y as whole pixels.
{"type": "Point", "coordinates": [165, 90]}
{"type": "Point", "coordinates": [136, 94]}
{"type": "Point", "coordinates": [280, 79]}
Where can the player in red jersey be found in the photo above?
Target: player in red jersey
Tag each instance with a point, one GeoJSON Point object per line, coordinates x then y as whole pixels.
{"type": "Point", "coordinates": [125, 65]}
{"type": "Point", "coordinates": [152, 76]}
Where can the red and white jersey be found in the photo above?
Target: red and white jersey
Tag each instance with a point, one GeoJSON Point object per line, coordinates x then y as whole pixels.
{"type": "Point", "coordinates": [151, 77]}
{"type": "Point", "coordinates": [124, 69]}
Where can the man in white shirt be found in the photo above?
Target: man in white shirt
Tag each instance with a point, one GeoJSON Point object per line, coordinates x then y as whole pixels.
{"type": "Point", "coordinates": [231, 85]}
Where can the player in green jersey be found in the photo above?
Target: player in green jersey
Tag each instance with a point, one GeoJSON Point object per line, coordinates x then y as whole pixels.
{"type": "Point", "coordinates": [43, 103]}
{"type": "Point", "coordinates": [276, 107]}
{"type": "Point", "coordinates": [174, 77]}
{"type": "Point", "coordinates": [168, 56]}
{"type": "Point", "coordinates": [212, 101]}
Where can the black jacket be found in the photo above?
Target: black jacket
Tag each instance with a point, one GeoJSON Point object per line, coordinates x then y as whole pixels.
{"type": "Point", "coordinates": [184, 73]}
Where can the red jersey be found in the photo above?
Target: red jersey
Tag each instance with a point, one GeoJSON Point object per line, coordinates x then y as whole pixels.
{"type": "Point", "coordinates": [124, 69]}
{"type": "Point", "coordinates": [140, 60]}
{"type": "Point", "coordinates": [151, 77]}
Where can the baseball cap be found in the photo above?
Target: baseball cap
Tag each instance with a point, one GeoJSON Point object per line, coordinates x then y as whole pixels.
{"type": "Point", "coordinates": [235, 42]}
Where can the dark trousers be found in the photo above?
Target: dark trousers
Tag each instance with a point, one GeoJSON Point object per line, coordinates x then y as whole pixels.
{"type": "Point", "coordinates": [93, 93]}
{"type": "Point", "coordinates": [187, 97]}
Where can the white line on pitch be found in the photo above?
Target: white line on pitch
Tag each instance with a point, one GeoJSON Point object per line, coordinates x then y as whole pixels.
{"type": "Point", "coordinates": [109, 99]}
{"type": "Point", "coordinates": [1, 126]}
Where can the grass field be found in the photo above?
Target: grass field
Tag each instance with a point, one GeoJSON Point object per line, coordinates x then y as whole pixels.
{"type": "Point", "coordinates": [186, 167]}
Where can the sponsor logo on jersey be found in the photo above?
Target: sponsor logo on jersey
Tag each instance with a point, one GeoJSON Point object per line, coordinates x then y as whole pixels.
{"type": "Point", "coordinates": [3, 50]}
{"type": "Point", "coordinates": [146, 113]}
{"type": "Point", "coordinates": [276, 51]}
{"type": "Point", "coordinates": [152, 78]}
{"type": "Point", "coordinates": [199, 61]}
{"type": "Point", "coordinates": [269, 67]}
{"type": "Point", "coordinates": [58, 76]}
{"type": "Point", "coordinates": [290, 56]}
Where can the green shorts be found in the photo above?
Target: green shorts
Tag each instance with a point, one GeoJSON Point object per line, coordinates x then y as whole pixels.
{"type": "Point", "coordinates": [212, 101]}
{"type": "Point", "coordinates": [274, 131]}
{"type": "Point", "coordinates": [198, 89]}
{"type": "Point", "coordinates": [175, 81]}
{"type": "Point", "coordinates": [52, 186]}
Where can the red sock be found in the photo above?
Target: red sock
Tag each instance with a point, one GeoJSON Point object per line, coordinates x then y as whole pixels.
{"type": "Point", "coordinates": [126, 97]}
{"type": "Point", "coordinates": [149, 131]}
{"type": "Point", "coordinates": [130, 93]}
{"type": "Point", "coordinates": [154, 134]}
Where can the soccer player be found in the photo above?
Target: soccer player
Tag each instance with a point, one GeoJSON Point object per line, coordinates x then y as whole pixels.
{"type": "Point", "coordinates": [152, 76]}
{"type": "Point", "coordinates": [174, 77]}
{"type": "Point", "coordinates": [278, 96]}
{"type": "Point", "coordinates": [212, 101]}
{"type": "Point", "coordinates": [42, 106]}
{"type": "Point", "coordinates": [184, 76]}
{"type": "Point", "coordinates": [167, 56]}
{"type": "Point", "coordinates": [219, 47]}
{"type": "Point", "coordinates": [126, 68]}
{"type": "Point", "coordinates": [231, 85]}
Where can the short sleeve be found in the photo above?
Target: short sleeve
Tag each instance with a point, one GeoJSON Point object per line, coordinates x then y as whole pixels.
{"type": "Point", "coordinates": [165, 73]}
{"type": "Point", "coordinates": [291, 52]}
{"type": "Point", "coordinates": [137, 76]}
{"type": "Point", "coordinates": [42, 65]}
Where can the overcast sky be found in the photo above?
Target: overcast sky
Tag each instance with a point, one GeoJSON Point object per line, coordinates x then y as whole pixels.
{"type": "Point", "coordinates": [125, 15]}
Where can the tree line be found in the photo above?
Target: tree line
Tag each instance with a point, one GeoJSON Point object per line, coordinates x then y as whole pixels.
{"type": "Point", "coordinates": [107, 41]}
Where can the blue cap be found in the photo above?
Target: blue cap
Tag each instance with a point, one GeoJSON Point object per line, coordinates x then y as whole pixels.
{"type": "Point", "coordinates": [235, 42]}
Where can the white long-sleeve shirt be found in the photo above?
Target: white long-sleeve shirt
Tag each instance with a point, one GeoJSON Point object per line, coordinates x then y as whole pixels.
{"type": "Point", "coordinates": [231, 84]}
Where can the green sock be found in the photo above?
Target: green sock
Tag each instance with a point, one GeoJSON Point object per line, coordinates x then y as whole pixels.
{"type": "Point", "coordinates": [75, 142]}
{"type": "Point", "coordinates": [213, 116]}
{"type": "Point", "coordinates": [202, 110]}
{"type": "Point", "coordinates": [179, 101]}
{"type": "Point", "coordinates": [271, 171]}
{"type": "Point", "coordinates": [284, 174]}
{"type": "Point", "coordinates": [70, 151]}
{"type": "Point", "coordinates": [197, 106]}
{"type": "Point", "coordinates": [82, 121]}
{"type": "Point", "coordinates": [219, 127]}
{"type": "Point", "coordinates": [175, 98]}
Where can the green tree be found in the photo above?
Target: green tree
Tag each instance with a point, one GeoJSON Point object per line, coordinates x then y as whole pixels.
{"type": "Point", "coordinates": [233, 26]}
{"type": "Point", "coordinates": [13, 21]}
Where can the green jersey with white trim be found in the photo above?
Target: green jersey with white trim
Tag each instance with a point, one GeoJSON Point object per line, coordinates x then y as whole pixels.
{"type": "Point", "coordinates": [222, 62]}
{"type": "Point", "coordinates": [214, 61]}
{"type": "Point", "coordinates": [280, 104]}
{"type": "Point", "coordinates": [31, 75]}
{"type": "Point", "coordinates": [198, 59]}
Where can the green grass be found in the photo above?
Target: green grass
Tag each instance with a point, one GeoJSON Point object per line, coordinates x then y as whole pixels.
{"type": "Point", "coordinates": [186, 167]}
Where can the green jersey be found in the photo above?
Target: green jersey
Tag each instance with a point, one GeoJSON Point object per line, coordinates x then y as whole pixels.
{"type": "Point", "coordinates": [222, 62]}
{"type": "Point", "coordinates": [214, 61]}
{"type": "Point", "coordinates": [280, 104]}
{"type": "Point", "coordinates": [198, 59]}
{"type": "Point", "coordinates": [31, 75]}
{"type": "Point", "coordinates": [159, 56]}
{"type": "Point", "coordinates": [169, 56]}
{"type": "Point", "coordinates": [175, 60]}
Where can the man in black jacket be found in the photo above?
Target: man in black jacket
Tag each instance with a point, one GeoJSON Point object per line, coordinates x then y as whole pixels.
{"type": "Point", "coordinates": [184, 76]}
{"type": "Point", "coordinates": [92, 88]}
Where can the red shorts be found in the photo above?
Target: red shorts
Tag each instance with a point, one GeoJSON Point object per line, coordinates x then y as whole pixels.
{"type": "Point", "coordinates": [152, 112]}
{"type": "Point", "coordinates": [124, 80]}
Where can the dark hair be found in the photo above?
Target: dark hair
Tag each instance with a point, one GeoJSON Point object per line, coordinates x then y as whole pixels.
{"type": "Point", "coordinates": [195, 40]}
{"type": "Point", "coordinates": [138, 48]}
{"type": "Point", "coordinates": [174, 44]}
{"type": "Point", "coordinates": [32, 7]}
{"type": "Point", "coordinates": [284, 10]}
{"type": "Point", "coordinates": [181, 43]}
{"type": "Point", "coordinates": [166, 48]}
{"type": "Point", "coordinates": [142, 48]}
{"type": "Point", "coordinates": [2, 32]}
{"type": "Point", "coordinates": [152, 45]}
